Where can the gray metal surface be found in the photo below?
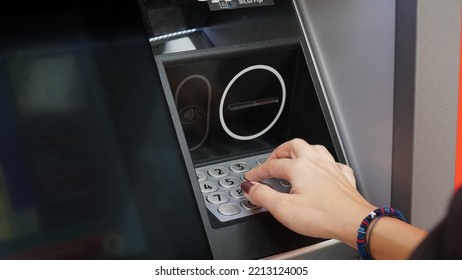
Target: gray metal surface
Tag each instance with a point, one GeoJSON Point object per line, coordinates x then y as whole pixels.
{"type": "Point", "coordinates": [397, 121]}
{"type": "Point", "coordinates": [331, 249]}
{"type": "Point", "coordinates": [427, 69]}
{"type": "Point", "coordinates": [353, 42]}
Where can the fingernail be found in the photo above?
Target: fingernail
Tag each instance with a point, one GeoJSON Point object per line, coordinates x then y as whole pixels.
{"type": "Point", "coordinates": [245, 186]}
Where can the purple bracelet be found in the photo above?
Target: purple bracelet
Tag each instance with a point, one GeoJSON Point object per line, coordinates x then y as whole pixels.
{"type": "Point", "coordinates": [362, 231]}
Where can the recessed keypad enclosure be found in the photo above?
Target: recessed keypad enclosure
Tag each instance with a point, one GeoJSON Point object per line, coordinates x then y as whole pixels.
{"type": "Point", "coordinates": [234, 106]}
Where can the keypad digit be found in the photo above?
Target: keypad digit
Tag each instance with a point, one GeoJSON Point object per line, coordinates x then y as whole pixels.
{"type": "Point", "coordinates": [229, 182]}
{"type": "Point", "coordinates": [237, 193]}
{"type": "Point", "coordinates": [218, 171]}
{"type": "Point", "coordinates": [208, 186]}
{"type": "Point", "coordinates": [249, 205]}
{"type": "Point", "coordinates": [239, 167]}
{"type": "Point", "coordinates": [217, 198]}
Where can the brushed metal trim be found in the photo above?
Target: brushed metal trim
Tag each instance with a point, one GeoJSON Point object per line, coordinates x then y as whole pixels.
{"type": "Point", "coordinates": [315, 251]}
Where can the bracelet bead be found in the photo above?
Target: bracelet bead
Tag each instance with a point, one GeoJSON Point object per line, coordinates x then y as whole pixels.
{"type": "Point", "coordinates": [363, 249]}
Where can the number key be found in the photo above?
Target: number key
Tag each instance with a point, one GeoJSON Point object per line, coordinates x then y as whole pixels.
{"type": "Point", "coordinates": [208, 186]}
{"type": "Point", "coordinates": [229, 182]}
{"type": "Point", "coordinates": [217, 198]}
{"type": "Point", "coordinates": [218, 171]}
{"type": "Point", "coordinates": [239, 167]}
{"type": "Point", "coordinates": [237, 193]}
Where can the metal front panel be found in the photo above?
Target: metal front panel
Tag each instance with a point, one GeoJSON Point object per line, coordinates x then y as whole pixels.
{"type": "Point", "coordinates": [426, 88]}
{"type": "Point", "coordinates": [353, 43]}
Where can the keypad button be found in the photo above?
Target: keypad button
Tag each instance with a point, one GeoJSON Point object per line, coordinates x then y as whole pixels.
{"type": "Point", "coordinates": [239, 167]}
{"type": "Point", "coordinates": [276, 185]}
{"type": "Point", "coordinates": [229, 209]}
{"type": "Point", "coordinates": [237, 193]}
{"type": "Point", "coordinates": [201, 176]}
{"type": "Point", "coordinates": [249, 205]}
{"type": "Point", "coordinates": [208, 186]}
{"type": "Point", "coordinates": [217, 198]}
{"type": "Point", "coordinates": [229, 182]}
{"type": "Point", "coordinates": [261, 160]}
{"type": "Point", "coordinates": [218, 171]}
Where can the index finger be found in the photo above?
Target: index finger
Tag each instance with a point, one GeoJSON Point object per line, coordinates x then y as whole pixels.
{"type": "Point", "coordinates": [274, 168]}
{"type": "Point", "coordinates": [300, 148]}
{"type": "Point", "coordinates": [292, 149]}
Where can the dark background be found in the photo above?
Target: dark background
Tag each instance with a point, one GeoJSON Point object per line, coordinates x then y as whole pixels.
{"type": "Point", "coordinates": [90, 166]}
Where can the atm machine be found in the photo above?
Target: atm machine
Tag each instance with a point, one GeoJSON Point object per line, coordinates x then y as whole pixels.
{"type": "Point", "coordinates": [240, 78]}
{"type": "Point", "coordinates": [114, 146]}
{"type": "Point", "coordinates": [118, 145]}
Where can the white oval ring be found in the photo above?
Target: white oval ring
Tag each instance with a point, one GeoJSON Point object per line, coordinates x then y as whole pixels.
{"type": "Point", "coordinates": [222, 101]}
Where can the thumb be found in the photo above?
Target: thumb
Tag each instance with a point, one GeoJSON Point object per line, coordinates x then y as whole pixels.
{"type": "Point", "coordinates": [261, 194]}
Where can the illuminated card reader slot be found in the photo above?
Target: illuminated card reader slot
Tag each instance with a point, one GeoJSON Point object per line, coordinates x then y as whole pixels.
{"type": "Point", "coordinates": [254, 103]}
{"type": "Point", "coordinates": [234, 106]}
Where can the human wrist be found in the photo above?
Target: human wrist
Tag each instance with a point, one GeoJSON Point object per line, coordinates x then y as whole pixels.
{"type": "Point", "coordinates": [347, 230]}
{"type": "Point", "coordinates": [364, 228]}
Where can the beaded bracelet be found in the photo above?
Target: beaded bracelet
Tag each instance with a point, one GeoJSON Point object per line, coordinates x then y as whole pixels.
{"type": "Point", "coordinates": [361, 239]}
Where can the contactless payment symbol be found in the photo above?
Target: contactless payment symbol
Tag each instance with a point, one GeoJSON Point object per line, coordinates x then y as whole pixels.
{"type": "Point", "coordinates": [191, 114]}
{"type": "Point", "coordinates": [193, 97]}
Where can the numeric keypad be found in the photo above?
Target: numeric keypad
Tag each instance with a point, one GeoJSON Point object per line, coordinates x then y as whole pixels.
{"type": "Point", "coordinates": [220, 187]}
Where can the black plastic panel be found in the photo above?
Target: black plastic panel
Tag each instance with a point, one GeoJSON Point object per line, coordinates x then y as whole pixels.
{"type": "Point", "coordinates": [225, 104]}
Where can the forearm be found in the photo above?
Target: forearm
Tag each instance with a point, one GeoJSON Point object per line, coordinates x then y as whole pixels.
{"type": "Point", "coordinates": [324, 202]}
{"type": "Point", "coordinates": [394, 239]}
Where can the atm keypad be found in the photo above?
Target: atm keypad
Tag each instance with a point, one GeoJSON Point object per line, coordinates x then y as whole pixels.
{"type": "Point", "coordinates": [220, 187]}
